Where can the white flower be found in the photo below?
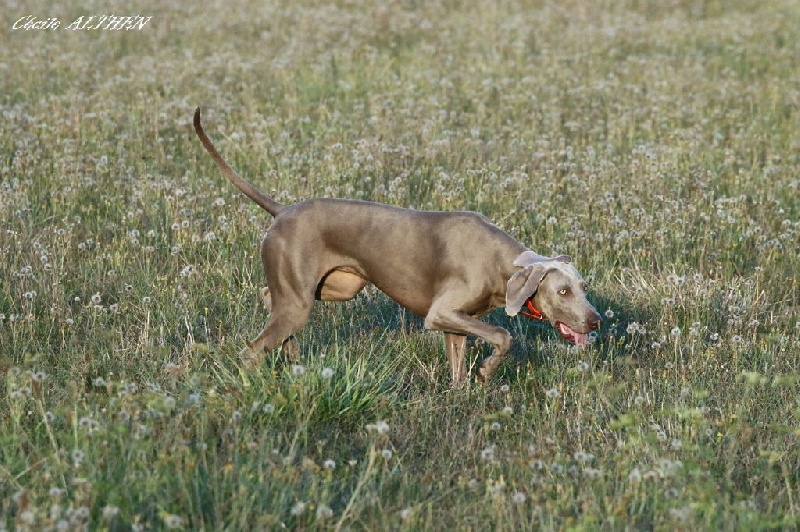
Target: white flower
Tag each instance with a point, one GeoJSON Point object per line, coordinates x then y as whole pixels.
{"type": "Point", "coordinates": [109, 512]}
{"type": "Point", "coordinates": [78, 456]}
{"type": "Point", "coordinates": [381, 427]}
{"type": "Point", "coordinates": [298, 508]}
{"type": "Point", "coordinates": [583, 457]}
{"type": "Point", "coordinates": [173, 521]}
{"type": "Point", "coordinates": [518, 497]}
{"type": "Point", "coordinates": [326, 373]}
{"type": "Point", "coordinates": [487, 454]}
{"type": "Point", "coordinates": [298, 370]}
{"type": "Point", "coordinates": [329, 465]}
{"type": "Point", "coordinates": [552, 393]}
{"type": "Point", "coordinates": [387, 453]}
{"type": "Point", "coordinates": [324, 512]}
{"type": "Point", "coordinates": [591, 472]}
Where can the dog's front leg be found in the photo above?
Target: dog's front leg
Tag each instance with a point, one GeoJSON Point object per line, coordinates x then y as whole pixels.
{"type": "Point", "coordinates": [456, 322]}
{"type": "Point", "coordinates": [455, 345]}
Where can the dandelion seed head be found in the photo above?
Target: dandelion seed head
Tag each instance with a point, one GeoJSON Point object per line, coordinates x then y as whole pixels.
{"type": "Point", "coordinates": [298, 508]}
{"type": "Point", "coordinates": [487, 454]}
{"type": "Point", "coordinates": [324, 512]}
{"type": "Point", "coordinates": [173, 521]}
{"type": "Point", "coordinates": [583, 457]}
{"type": "Point", "coordinates": [592, 472]}
{"type": "Point", "coordinates": [77, 456]}
{"type": "Point", "coordinates": [381, 427]}
{"type": "Point", "coordinates": [110, 512]}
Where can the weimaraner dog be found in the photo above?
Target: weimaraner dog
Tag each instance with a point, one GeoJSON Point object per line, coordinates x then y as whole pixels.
{"type": "Point", "coordinates": [449, 267]}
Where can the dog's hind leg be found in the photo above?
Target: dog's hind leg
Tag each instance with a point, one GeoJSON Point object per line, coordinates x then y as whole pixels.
{"type": "Point", "coordinates": [286, 318]}
{"type": "Point", "coordinates": [290, 347]}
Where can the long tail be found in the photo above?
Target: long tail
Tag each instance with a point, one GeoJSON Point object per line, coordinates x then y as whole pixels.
{"type": "Point", "coordinates": [247, 188]}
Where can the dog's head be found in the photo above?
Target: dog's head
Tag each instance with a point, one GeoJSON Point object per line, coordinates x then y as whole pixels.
{"type": "Point", "coordinates": [557, 290]}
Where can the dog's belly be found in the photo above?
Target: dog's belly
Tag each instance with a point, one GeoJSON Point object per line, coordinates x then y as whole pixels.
{"type": "Point", "coordinates": [345, 282]}
{"type": "Point", "coordinates": [340, 285]}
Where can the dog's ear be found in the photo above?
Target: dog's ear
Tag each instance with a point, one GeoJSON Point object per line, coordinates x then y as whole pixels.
{"type": "Point", "coordinates": [523, 285]}
{"type": "Point", "coordinates": [529, 258]}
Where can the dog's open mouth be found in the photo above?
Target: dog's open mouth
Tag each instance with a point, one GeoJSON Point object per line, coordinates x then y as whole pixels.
{"type": "Point", "coordinates": [571, 335]}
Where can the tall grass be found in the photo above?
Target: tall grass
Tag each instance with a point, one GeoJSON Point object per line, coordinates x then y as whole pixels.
{"type": "Point", "coordinates": [655, 142]}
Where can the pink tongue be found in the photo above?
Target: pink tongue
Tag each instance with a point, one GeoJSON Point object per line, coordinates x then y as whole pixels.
{"type": "Point", "coordinates": [569, 334]}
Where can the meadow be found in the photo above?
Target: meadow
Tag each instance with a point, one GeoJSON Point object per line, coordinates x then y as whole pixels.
{"type": "Point", "coordinates": [657, 143]}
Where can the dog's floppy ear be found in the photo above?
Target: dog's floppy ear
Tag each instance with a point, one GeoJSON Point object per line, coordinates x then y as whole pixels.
{"type": "Point", "coordinates": [523, 285]}
{"type": "Point", "coordinates": [529, 258]}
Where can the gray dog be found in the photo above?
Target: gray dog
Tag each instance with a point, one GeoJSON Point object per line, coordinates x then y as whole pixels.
{"type": "Point", "coordinates": [449, 267]}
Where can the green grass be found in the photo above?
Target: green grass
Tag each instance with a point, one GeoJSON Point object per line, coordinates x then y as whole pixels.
{"type": "Point", "coordinates": [657, 143]}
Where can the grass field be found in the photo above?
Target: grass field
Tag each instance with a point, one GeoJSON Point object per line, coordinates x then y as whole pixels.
{"type": "Point", "coordinates": [658, 143]}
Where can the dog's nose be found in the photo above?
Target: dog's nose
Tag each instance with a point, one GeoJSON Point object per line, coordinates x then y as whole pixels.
{"type": "Point", "coordinates": [594, 320]}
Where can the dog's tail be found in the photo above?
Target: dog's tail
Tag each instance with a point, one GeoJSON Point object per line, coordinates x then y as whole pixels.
{"type": "Point", "coordinates": [247, 188]}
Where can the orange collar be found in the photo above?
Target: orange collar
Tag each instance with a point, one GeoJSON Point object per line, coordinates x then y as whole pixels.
{"type": "Point", "coordinates": [534, 313]}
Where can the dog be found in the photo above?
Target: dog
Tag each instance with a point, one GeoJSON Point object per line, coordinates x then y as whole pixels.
{"type": "Point", "coordinates": [451, 268]}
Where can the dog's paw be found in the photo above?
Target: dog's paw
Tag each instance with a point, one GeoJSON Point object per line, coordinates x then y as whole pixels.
{"type": "Point", "coordinates": [291, 349]}
{"type": "Point", "coordinates": [250, 358]}
{"type": "Point", "coordinates": [487, 369]}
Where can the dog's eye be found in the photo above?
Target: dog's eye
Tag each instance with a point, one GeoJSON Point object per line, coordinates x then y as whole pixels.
{"type": "Point", "coordinates": [585, 287]}
{"type": "Point", "coordinates": [563, 291]}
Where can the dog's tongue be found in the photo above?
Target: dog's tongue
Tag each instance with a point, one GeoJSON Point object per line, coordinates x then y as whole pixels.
{"type": "Point", "coordinates": [569, 334]}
